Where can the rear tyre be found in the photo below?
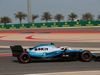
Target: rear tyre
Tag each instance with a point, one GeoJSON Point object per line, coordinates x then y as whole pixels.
{"type": "Point", "coordinates": [86, 56]}
{"type": "Point", "coordinates": [24, 58]}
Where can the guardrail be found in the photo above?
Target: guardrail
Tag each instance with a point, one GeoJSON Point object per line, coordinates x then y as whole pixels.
{"type": "Point", "coordinates": [51, 24]}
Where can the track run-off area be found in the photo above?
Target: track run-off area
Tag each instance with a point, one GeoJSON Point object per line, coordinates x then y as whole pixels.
{"type": "Point", "coordinates": [55, 36]}
{"type": "Point", "coordinates": [75, 39]}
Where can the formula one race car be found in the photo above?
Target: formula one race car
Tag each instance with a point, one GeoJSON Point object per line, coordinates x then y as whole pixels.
{"type": "Point", "coordinates": [49, 51]}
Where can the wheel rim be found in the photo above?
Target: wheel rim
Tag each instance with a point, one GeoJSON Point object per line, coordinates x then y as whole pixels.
{"type": "Point", "coordinates": [86, 56]}
{"type": "Point", "coordinates": [25, 57]}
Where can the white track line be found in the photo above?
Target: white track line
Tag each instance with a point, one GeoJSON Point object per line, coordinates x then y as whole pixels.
{"type": "Point", "coordinates": [88, 72]}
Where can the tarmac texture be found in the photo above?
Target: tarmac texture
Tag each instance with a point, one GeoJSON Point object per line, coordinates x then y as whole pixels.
{"type": "Point", "coordinates": [10, 65]}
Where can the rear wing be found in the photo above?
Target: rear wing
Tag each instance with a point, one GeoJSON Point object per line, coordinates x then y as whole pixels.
{"type": "Point", "coordinates": [17, 50]}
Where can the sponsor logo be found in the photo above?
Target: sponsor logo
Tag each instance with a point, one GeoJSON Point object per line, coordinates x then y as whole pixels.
{"type": "Point", "coordinates": [52, 53]}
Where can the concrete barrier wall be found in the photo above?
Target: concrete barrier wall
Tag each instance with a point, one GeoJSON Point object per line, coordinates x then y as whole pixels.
{"type": "Point", "coordinates": [51, 24]}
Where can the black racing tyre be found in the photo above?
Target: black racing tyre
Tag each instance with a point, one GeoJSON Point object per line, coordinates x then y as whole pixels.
{"type": "Point", "coordinates": [24, 58]}
{"type": "Point", "coordinates": [86, 56]}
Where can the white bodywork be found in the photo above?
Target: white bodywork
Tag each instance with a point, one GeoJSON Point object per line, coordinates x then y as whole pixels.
{"type": "Point", "coordinates": [68, 48]}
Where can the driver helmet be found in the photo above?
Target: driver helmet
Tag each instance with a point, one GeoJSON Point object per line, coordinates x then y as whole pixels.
{"type": "Point", "coordinates": [52, 42]}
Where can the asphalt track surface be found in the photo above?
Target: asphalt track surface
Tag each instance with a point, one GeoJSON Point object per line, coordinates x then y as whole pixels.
{"type": "Point", "coordinates": [5, 50]}
{"type": "Point", "coordinates": [10, 66]}
{"type": "Point", "coordinates": [70, 44]}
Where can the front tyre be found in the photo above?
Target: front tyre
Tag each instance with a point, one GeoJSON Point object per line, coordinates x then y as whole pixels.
{"type": "Point", "coordinates": [24, 58]}
{"type": "Point", "coordinates": [86, 56]}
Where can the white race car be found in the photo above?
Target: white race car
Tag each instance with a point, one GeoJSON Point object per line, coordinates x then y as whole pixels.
{"type": "Point", "coordinates": [46, 51]}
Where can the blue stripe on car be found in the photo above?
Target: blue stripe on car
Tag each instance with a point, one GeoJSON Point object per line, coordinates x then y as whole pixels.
{"type": "Point", "coordinates": [45, 54]}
